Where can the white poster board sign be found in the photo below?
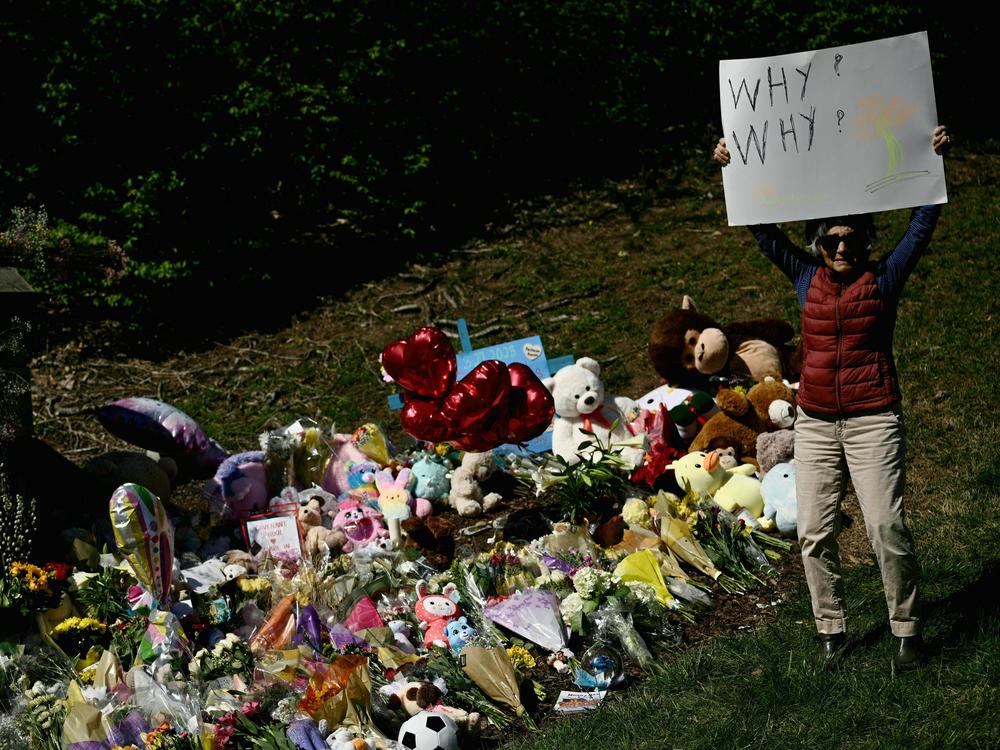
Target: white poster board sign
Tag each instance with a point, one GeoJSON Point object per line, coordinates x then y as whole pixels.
{"type": "Point", "coordinates": [830, 132]}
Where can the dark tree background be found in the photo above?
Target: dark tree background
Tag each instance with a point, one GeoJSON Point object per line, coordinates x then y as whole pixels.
{"type": "Point", "coordinates": [230, 149]}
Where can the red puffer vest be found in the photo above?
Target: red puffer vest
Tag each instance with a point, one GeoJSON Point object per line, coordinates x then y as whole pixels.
{"type": "Point", "coordinates": [847, 364]}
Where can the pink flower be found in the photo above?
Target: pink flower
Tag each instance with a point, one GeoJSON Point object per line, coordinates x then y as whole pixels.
{"type": "Point", "coordinates": [250, 708]}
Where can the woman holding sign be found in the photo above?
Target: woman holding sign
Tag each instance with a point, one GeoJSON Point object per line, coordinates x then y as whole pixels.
{"type": "Point", "coordinates": [849, 416]}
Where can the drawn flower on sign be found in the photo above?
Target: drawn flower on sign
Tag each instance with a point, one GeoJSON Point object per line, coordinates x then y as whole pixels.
{"type": "Point", "coordinates": [877, 117]}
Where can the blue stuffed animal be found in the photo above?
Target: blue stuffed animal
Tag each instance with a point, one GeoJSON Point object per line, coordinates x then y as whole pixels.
{"type": "Point", "coordinates": [778, 489]}
{"type": "Point", "coordinates": [458, 633]}
{"type": "Point", "coordinates": [430, 479]}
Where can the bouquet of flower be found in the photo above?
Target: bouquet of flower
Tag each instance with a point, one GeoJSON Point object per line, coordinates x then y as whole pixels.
{"type": "Point", "coordinates": [230, 656]}
{"type": "Point", "coordinates": [78, 635]}
{"type": "Point", "coordinates": [502, 571]}
{"type": "Point", "coordinates": [725, 539]}
{"type": "Point", "coordinates": [27, 589]}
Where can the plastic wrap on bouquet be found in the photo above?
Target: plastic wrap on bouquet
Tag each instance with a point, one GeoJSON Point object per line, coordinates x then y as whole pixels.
{"type": "Point", "coordinates": [145, 537]}
{"type": "Point", "coordinates": [340, 692]}
{"type": "Point", "coordinates": [532, 614]}
{"type": "Point", "coordinates": [278, 629]}
{"type": "Point", "coordinates": [612, 618]}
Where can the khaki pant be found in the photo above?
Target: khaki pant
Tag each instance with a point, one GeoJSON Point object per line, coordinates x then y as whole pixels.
{"type": "Point", "coordinates": [870, 448]}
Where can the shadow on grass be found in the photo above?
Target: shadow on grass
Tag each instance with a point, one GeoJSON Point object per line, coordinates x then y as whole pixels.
{"type": "Point", "coordinates": [961, 613]}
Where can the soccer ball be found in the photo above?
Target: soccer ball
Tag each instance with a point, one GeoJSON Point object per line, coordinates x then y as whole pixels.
{"type": "Point", "coordinates": [429, 730]}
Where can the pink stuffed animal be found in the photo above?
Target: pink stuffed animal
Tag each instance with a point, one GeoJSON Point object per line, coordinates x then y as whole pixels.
{"type": "Point", "coordinates": [435, 611]}
{"type": "Point", "coordinates": [395, 500]}
{"type": "Point", "coordinates": [361, 525]}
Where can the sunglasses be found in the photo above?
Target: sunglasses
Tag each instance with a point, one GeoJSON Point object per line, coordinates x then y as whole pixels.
{"type": "Point", "coordinates": [830, 242]}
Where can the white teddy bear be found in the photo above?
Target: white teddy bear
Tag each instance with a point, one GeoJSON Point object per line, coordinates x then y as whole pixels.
{"type": "Point", "coordinates": [582, 405]}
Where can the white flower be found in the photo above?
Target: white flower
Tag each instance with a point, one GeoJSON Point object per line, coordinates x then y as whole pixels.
{"type": "Point", "coordinates": [590, 581]}
{"type": "Point", "coordinates": [643, 592]}
{"type": "Point", "coordinates": [571, 607]}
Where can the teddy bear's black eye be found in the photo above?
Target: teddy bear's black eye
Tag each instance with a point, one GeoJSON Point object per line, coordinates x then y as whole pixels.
{"type": "Point", "coordinates": [689, 358]}
{"type": "Point", "coordinates": [692, 341]}
{"type": "Point", "coordinates": [576, 395]}
{"type": "Point", "coordinates": [588, 387]}
{"type": "Point", "coordinates": [697, 466]}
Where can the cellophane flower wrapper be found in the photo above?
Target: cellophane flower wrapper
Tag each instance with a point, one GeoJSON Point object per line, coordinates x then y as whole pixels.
{"type": "Point", "coordinates": [119, 734]}
{"type": "Point", "coordinates": [532, 614]}
{"type": "Point", "coordinates": [491, 670]}
{"type": "Point", "coordinates": [611, 617]}
{"type": "Point", "coordinates": [680, 540]}
{"type": "Point", "coordinates": [642, 566]}
{"type": "Point", "coordinates": [340, 692]}
{"type": "Point", "coordinates": [179, 703]}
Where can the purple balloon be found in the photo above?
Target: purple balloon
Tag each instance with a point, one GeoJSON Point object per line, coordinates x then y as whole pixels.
{"type": "Point", "coordinates": [163, 428]}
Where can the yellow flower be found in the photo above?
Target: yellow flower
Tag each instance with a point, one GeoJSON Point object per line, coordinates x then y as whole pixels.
{"type": "Point", "coordinates": [520, 658]}
{"type": "Point", "coordinates": [252, 585]}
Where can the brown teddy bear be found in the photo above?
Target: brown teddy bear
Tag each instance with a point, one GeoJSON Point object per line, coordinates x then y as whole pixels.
{"type": "Point", "coordinates": [686, 347]}
{"type": "Point", "coordinates": [314, 532]}
{"type": "Point", "coordinates": [736, 421]}
{"type": "Point", "coordinates": [774, 403]}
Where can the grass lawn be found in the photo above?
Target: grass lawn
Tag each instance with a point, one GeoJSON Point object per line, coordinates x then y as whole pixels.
{"type": "Point", "coordinates": [590, 273]}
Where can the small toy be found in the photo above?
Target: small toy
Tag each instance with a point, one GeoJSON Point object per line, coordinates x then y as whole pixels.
{"type": "Point", "coordinates": [362, 525]}
{"type": "Point", "coordinates": [435, 611]}
{"type": "Point", "coordinates": [361, 481]}
{"type": "Point", "coordinates": [688, 409]}
{"type": "Point", "coordinates": [429, 730]}
{"type": "Point", "coordinates": [737, 421]}
{"type": "Point", "coordinates": [315, 533]}
{"type": "Point", "coordinates": [416, 696]}
{"type": "Point", "coordinates": [430, 479]}
{"type": "Point", "coordinates": [778, 489]}
{"type": "Point", "coordinates": [774, 402]}
{"type": "Point", "coordinates": [466, 495]}
{"type": "Point", "coordinates": [687, 346]}
{"type": "Point", "coordinates": [459, 632]}
{"type": "Point", "coordinates": [401, 633]}
{"type": "Point", "coordinates": [703, 474]}
{"type": "Point", "coordinates": [344, 739]}
{"type": "Point", "coordinates": [239, 487]}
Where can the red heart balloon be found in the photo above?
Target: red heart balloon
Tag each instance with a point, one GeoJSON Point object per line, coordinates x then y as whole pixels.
{"type": "Point", "coordinates": [530, 406]}
{"type": "Point", "coordinates": [424, 363]}
{"type": "Point", "coordinates": [479, 400]}
{"type": "Point", "coordinates": [424, 420]}
{"type": "Point", "coordinates": [479, 442]}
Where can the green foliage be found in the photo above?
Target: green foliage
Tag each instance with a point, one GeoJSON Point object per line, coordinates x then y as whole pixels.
{"type": "Point", "coordinates": [205, 135]}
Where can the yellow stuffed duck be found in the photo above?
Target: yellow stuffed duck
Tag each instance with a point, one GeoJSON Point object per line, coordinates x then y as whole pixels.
{"type": "Point", "coordinates": [734, 490]}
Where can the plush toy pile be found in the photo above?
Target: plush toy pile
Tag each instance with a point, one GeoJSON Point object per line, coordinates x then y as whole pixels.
{"type": "Point", "coordinates": [318, 600]}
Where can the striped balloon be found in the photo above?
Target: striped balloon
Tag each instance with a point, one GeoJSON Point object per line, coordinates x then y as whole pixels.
{"type": "Point", "coordinates": [145, 536]}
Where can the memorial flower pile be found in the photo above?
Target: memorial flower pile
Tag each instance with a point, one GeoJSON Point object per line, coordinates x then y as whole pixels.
{"type": "Point", "coordinates": [332, 593]}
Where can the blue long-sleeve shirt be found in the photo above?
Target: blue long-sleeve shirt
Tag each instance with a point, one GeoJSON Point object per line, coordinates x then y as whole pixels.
{"type": "Point", "coordinates": [891, 272]}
